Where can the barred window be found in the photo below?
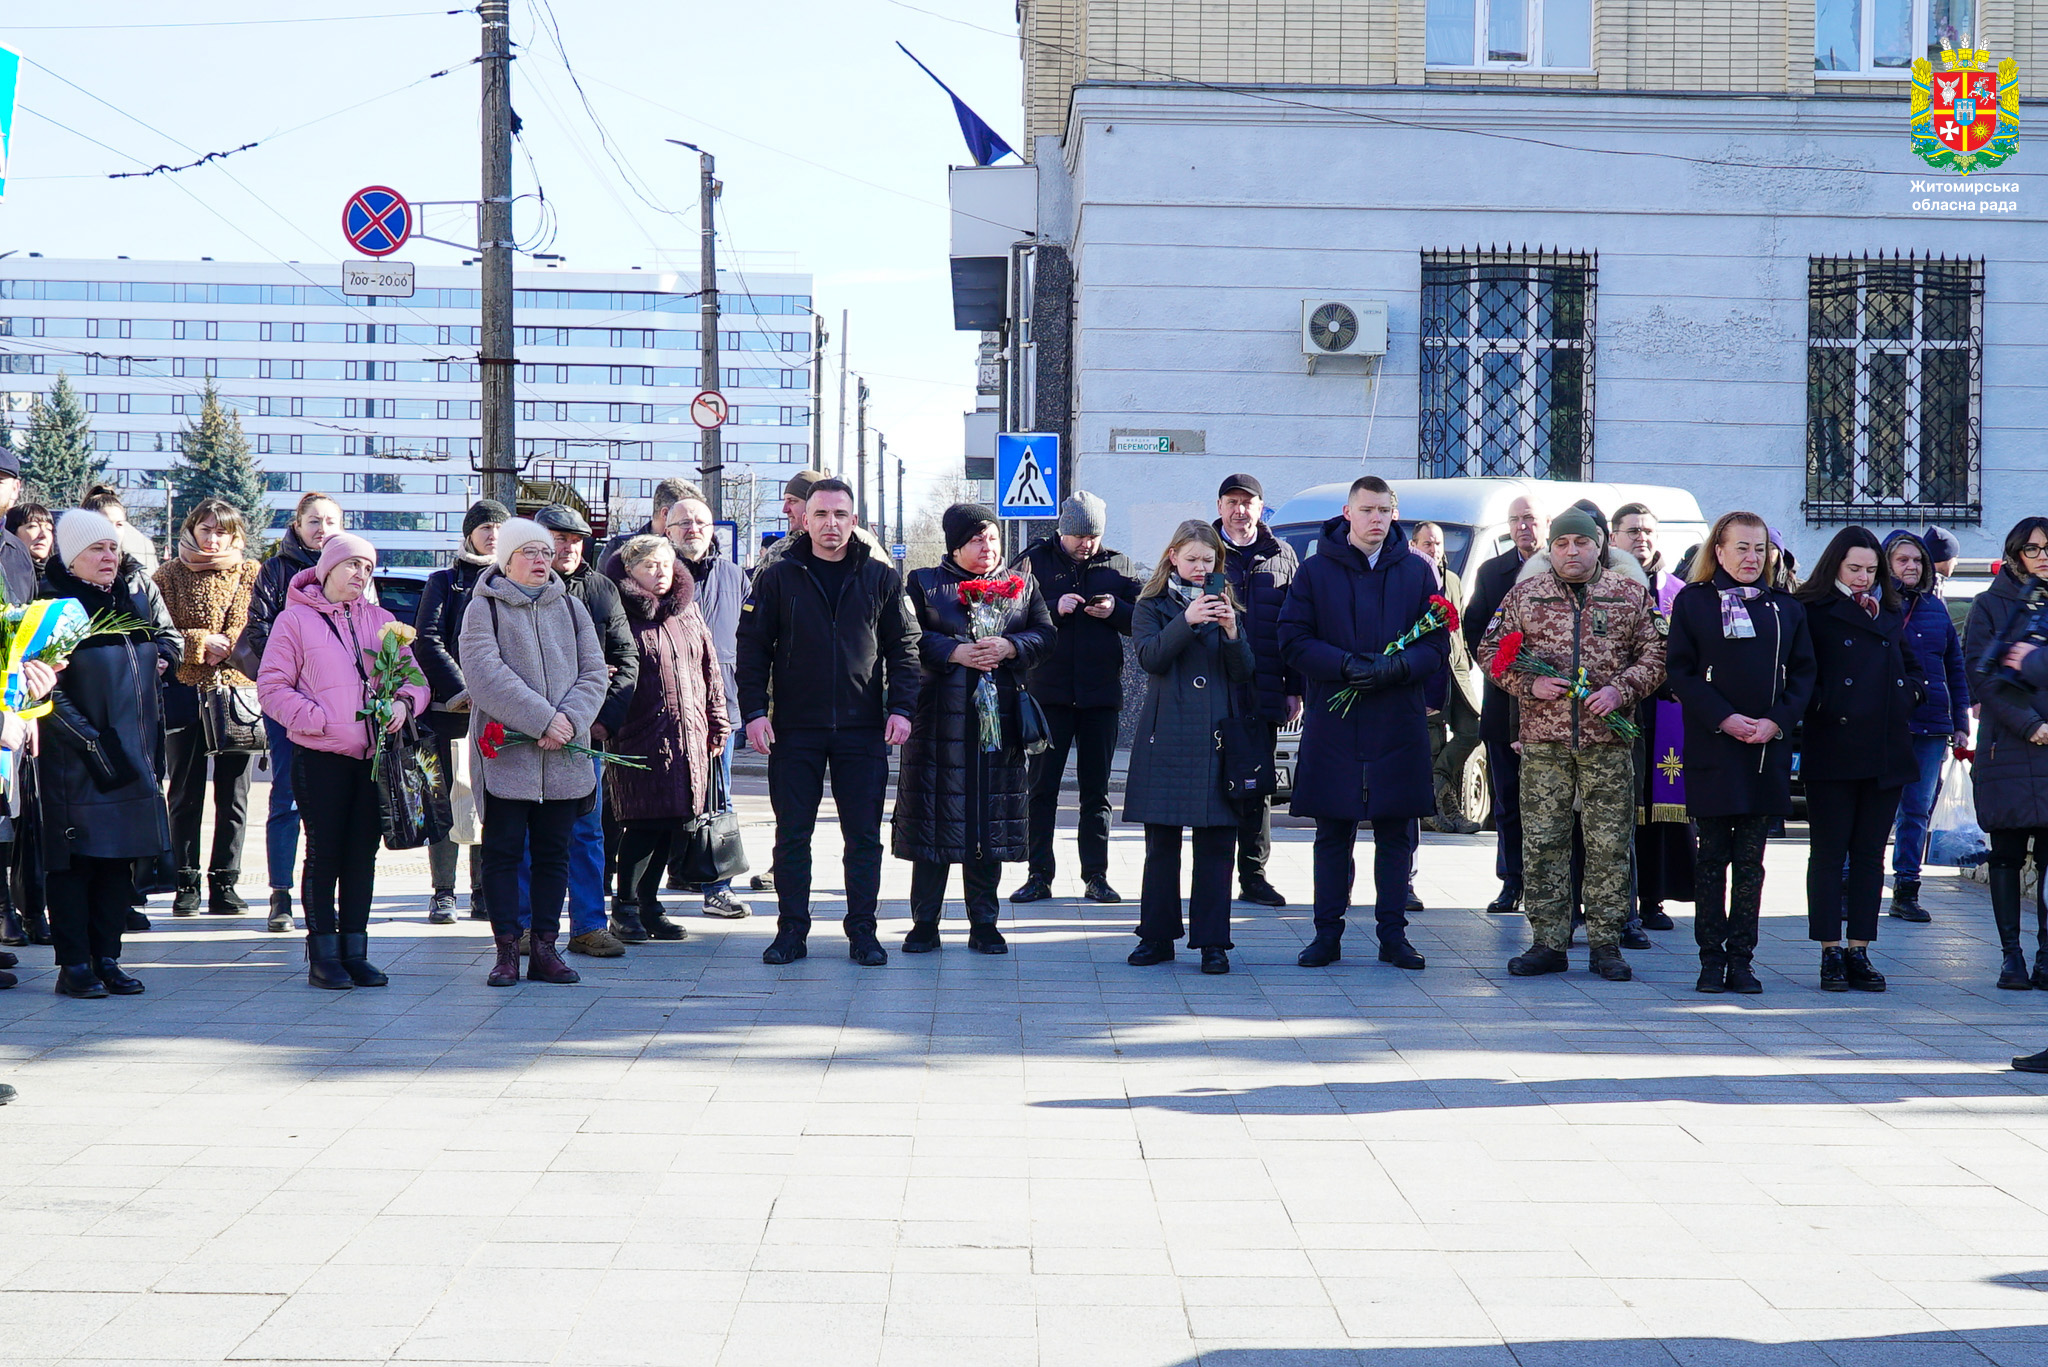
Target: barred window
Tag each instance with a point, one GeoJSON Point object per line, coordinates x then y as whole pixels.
{"type": "Point", "coordinates": [1507, 364]}
{"type": "Point", "coordinates": [1894, 380]}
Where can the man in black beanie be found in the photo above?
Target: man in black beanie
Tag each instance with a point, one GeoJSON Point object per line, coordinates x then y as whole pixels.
{"type": "Point", "coordinates": [439, 622]}
{"type": "Point", "coordinates": [828, 679]}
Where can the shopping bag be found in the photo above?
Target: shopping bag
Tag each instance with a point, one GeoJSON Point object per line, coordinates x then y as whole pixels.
{"type": "Point", "coordinates": [1953, 835]}
{"type": "Point", "coordinates": [413, 805]}
{"type": "Point", "coordinates": [468, 825]}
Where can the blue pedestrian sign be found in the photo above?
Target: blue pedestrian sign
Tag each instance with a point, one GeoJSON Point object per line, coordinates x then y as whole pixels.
{"type": "Point", "coordinates": [1027, 474]}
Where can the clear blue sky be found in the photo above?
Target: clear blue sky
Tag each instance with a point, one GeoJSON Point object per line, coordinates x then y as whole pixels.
{"type": "Point", "coordinates": [833, 148]}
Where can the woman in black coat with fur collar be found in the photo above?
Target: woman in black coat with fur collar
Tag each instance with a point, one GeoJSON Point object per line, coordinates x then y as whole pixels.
{"type": "Point", "coordinates": [1857, 754]}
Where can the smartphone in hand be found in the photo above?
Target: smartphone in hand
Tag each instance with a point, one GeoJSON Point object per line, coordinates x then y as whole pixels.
{"type": "Point", "coordinates": [1215, 585]}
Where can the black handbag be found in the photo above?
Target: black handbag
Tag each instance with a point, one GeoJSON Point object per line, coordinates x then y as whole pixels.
{"type": "Point", "coordinates": [1034, 732]}
{"type": "Point", "coordinates": [1244, 749]}
{"type": "Point", "coordinates": [708, 846]}
{"type": "Point", "coordinates": [232, 720]}
{"type": "Point", "coordinates": [412, 804]}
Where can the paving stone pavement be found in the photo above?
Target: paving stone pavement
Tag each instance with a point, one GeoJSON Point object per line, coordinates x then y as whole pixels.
{"type": "Point", "coordinates": [1045, 1158]}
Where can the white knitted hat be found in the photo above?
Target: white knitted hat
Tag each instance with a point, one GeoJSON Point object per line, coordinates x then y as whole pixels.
{"type": "Point", "coordinates": [520, 531]}
{"type": "Point", "coordinates": [79, 528]}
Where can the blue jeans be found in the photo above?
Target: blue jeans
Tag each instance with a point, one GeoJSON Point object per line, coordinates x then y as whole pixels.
{"type": "Point", "coordinates": [1916, 804]}
{"type": "Point", "coordinates": [586, 871]}
{"type": "Point", "coordinates": [281, 829]}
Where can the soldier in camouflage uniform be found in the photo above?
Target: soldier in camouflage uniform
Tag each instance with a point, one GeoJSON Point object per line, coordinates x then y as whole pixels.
{"type": "Point", "coordinates": [1591, 616]}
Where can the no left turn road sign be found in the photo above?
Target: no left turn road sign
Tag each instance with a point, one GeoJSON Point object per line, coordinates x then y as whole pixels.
{"type": "Point", "coordinates": [709, 410]}
{"type": "Point", "coordinates": [376, 220]}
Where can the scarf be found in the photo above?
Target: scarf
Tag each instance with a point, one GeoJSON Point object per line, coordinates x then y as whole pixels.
{"type": "Point", "coordinates": [1735, 623]}
{"type": "Point", "coordinates": [199, 562]}
{"type": "Point", "coordinates": [469, 557]}
{"type": "Point", "coordinates": [1866, 601]}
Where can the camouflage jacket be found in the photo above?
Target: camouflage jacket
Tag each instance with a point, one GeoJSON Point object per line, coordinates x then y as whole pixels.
{"type": "Point", "coordinates": [1609, 627]}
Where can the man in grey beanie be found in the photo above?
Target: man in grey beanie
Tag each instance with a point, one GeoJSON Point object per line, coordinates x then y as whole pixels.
{"type": "Point", "coordinates": [1090, 590]}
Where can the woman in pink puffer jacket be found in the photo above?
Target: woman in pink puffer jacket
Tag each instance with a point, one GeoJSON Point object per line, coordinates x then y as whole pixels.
{"type": "Point", "coordinates": [313, 683]}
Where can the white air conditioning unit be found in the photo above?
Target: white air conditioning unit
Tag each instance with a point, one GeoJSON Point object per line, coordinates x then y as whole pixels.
{"type": "Point", "coordinates": [1343, 327]}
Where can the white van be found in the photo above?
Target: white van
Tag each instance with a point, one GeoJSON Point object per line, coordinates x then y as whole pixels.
{"type": "Point", "coordinates": [1473, 513]}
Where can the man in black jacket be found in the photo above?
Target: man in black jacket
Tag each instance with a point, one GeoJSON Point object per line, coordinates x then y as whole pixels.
{"type": "Point", "coordinates": [1259, 566]}
{"type": "Point", "coordinates": [588, 932]}
{"type": "Point", "coordinates": [1529, 526]}
{"type": "Point", "coordinates": [1080, 686]}
{"type": "Point", "coordinates": [828, 642]}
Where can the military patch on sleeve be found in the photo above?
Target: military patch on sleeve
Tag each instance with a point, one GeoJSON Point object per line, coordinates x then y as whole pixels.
{"type": "Point", "coordinates": [1662, 622]}
{"type": "Point", "coordinates": [1599, 621]}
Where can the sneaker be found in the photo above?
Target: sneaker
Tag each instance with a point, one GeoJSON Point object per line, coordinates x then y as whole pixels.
{"type": "Point", "coordinates": [441, 911]}
{"type": "Point", "coordinates": [984, 938]}
{"type": "Point", "coordinates": [1538, 959]}
{"type": "Point", "coordinates": [1260, 892]}
{"type": "Point", "coordinates": [722, 903]}
{"type": "Point", "coordinates": [1097, 889]}
{"type": "Point", "coordinates": [598, 944]}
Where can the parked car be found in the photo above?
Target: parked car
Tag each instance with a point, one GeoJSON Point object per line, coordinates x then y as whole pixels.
{"type": "Point", "coordinates": [399, 588]}
{"type": "Point", "coordinates": [1474, 516]}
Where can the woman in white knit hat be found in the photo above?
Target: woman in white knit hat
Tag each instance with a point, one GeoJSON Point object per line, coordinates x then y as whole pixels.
{"type": "Point", "coordinates": [531, 658]}
{"type": "Point", "coordinates": [101, 758]}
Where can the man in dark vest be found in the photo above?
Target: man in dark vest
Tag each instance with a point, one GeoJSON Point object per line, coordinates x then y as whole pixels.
{"type": "Point", "coordinates": [1259, 567]}
{"type": "Point", "coordinates": [1527, 524]}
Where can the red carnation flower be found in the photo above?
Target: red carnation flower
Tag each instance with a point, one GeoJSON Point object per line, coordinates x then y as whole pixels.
{"type": "Point", "coordinates": [492, 738]}
{"type": "Point", "coordinates": [1443, 605]}
{"type": "Point", "coordinates": [1504, 658]}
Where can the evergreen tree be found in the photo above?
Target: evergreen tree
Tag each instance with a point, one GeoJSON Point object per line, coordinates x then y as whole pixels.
{"type": "Point", "coordinates": [215, 464]}
{"type": "Point", "coordinates": [58, 463]}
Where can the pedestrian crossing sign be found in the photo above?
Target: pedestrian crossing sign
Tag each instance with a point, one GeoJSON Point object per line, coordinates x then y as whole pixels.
{"type": "Point", "coordinates": [1027, 474]}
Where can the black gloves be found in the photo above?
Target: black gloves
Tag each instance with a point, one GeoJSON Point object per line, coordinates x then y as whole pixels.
{"type": "Point", "coordinates": [1364, 671]}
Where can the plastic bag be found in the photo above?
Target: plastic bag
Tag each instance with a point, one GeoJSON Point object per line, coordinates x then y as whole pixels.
{"type": "Point", "coordinates": [1953, 835]}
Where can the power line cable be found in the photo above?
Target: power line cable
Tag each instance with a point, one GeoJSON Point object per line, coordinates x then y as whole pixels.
{"type": "Point", "coordinates": [544, 14]}
{"type": "Point", "coordinates": [237, 23]}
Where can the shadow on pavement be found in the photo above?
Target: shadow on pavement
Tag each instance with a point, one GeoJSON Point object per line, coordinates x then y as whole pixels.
{"type": "Point", "coordinates": [2021, 1346]}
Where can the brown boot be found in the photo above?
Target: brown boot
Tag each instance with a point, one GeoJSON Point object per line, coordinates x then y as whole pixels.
{"type": "Point", "coordinates": [546, 966]}
{"type": "Point", "coordinates": [505, 973]}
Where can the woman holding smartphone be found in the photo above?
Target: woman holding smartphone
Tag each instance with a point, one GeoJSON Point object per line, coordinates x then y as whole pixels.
{"type": "Point", "coordinates": [1196, 657]}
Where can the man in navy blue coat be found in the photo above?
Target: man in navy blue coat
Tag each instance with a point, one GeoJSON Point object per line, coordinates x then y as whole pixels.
{"type": "Point", "coordinates": [1359, 593]}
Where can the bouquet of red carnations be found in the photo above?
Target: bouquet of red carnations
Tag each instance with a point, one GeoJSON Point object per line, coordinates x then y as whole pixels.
{"type": "Point", "coordinates": [1509, 659]}
{"type": "Point", "coordinates": [988, 603]}
{"type": "Point", "coordinates": [494, 738]}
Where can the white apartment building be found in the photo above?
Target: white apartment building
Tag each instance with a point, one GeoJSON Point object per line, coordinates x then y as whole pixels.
{"type": "Point", "coordinates": [375, 401]}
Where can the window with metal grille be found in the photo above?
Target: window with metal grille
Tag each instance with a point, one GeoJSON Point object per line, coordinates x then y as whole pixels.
{"type": "Point", "coordinates": [1507, 364]}
{"type": "Point", "coordinates": [1894, 380]}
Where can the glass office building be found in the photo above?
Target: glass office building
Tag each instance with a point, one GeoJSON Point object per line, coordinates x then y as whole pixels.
{"type": "Point", "coordinates": [376, 401]}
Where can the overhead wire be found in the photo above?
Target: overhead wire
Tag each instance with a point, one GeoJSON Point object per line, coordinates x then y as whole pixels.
{"type": "Point", "coordinates": [544, 15]}
{"type": "Point", "coordinates": [236, 23]}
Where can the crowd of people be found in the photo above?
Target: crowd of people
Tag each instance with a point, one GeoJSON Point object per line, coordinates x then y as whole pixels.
{"type": "Point", "coordinates": [1642, 725]}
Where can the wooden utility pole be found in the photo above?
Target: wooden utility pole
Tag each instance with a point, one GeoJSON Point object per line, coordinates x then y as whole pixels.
{"type": "Point", "coordinates": [499, 452]}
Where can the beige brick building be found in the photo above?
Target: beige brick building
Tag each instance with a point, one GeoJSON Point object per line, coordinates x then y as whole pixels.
{"type": "Point", "coordinates": [1719, 46]}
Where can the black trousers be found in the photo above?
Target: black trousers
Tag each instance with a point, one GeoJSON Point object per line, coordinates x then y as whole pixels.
{"type": "Point", "coordinates": [89, 905]}
{"type": "Point", "coordinates": [1208, 923]}
{"type": "Point", "coordinates": [1091, 733]}
{"type": "Point", "coordinates": [1847, 820]}
{"type": "Point", "coordinates": [1255, 826]}
{"type": "Point", "coordinates": [1393, 842]}
{"type": "Point", "coordinates": [338, 803]}
{"type": "Point", "coordinates": [978, 880]}
{"type": "Point", "coordinates": [185, 751]}
{"type": "Point", "coordinates": [1729, 845]}
{"type": "Point", "coordinates": [859, 764]}
{"type": "Point", "coordinates": [643, 856]}
{"type": "Point", "coordinates": [512, 829]}
{"type": "Point", "coordinates": [1504, 770]}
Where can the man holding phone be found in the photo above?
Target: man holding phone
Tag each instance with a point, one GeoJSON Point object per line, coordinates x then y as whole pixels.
{"type": "Point", "coordinates": [1090, 590]}
{"type": "Point", "coordinates": [1260, 566]}
{"type": "Point", "coordinates": [1365, 755]}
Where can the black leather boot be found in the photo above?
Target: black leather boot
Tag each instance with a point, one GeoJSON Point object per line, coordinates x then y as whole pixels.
{"type": "Point", "coordinates": [280, 911]}
{"type": "Point", "coordinates": [984, 938]}
{"type": "Point", "coordinates": [221, 897]}
{"type": "Point", "coordinates": [108, 971]}
{"type": "Point", "coordinates": [1834, 976]}
{"type": "Point", "coordinates": [1906, 901]}
{"type": "Point", "coordinates": [78, 980]}
{"type": "Point", "coordinates": [1862, 975]}
{"type": "Point", "coordinates": [37, 923]}
{"type": "Point", "coordinates": [2005, 915]}
{"type": "Point", "coordinates": [323, 963]}
{"type": "Point", "coordinates": [923, 937]}
{"type": "Point", "coordinates": [185, 902]}
{"type": "Point", "coordinates": [355, 961]}
{"type": "Point", "coordinates": [1325, 949]}
{"type": "Point", "coordinates": [1713, 972]}
{"type": "Point", "coordinates": [12, 931]}
{"type": "Point", "coordinates": [790, 944]}
{"type": "Point", "coordinates": [861, 945]}
{"type": "Point", "coordinates": [1741, 977]}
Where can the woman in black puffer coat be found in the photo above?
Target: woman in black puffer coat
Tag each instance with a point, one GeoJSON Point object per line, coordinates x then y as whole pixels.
{"type": "Point", "coordinates": [957, 803]}
{"type": "Point", "coordinates": [2011, 772]}
{"type": "Point", "coordinates": [1198, 655]}
{"type": "Point", "coordinates": [102, 756]}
